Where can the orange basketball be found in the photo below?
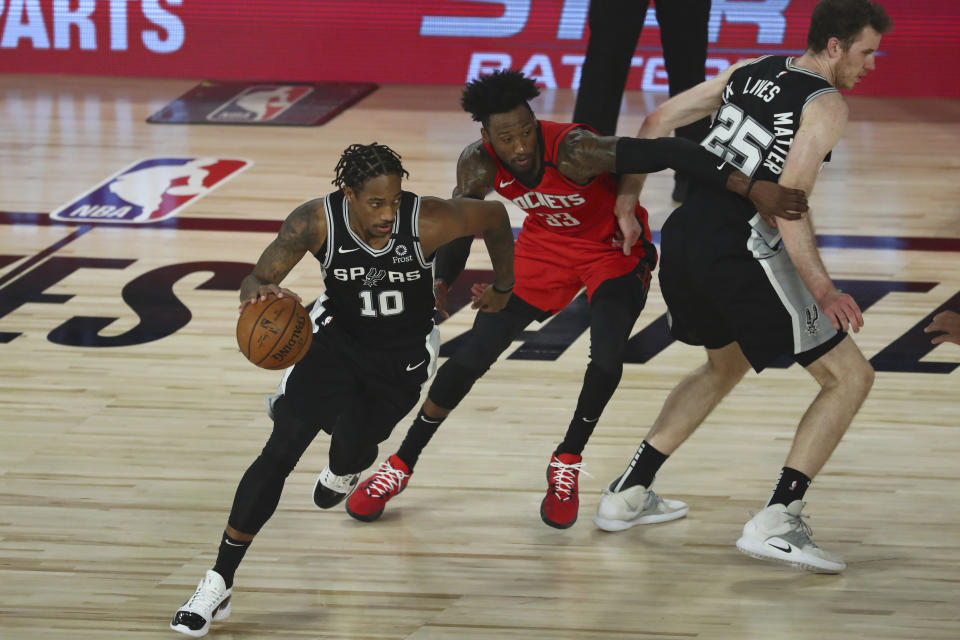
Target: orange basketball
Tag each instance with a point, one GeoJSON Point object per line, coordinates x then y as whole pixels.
{"type": "Point", "coordinates": [274, 333]}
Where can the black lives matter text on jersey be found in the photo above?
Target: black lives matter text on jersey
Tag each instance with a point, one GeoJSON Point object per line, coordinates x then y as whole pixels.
{"type": "Point", "coordinates": [762, 103]}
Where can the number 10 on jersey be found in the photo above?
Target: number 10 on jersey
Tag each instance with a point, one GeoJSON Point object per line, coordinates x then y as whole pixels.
{"type": "Point", "coordinates": [388, 303]}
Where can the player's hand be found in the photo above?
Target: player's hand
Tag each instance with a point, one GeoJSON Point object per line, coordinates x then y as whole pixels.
{"type": "Point", "coordinates": [486, 298]}
{"type": "Point", "coordinates": [842, 310]}
{"type": "Point", "coordinates": [947, 322]}
{"type": "Point", "coordinates": [265, 291]}
{"type": "Point", "coordinates": [773, 201]}
{"type": "Point", "coordinates": [628, 232]}
{"type": "Point", "coordinates": [440, 298]}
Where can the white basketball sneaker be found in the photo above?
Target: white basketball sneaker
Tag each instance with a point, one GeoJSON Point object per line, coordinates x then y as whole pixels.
{"type": "Point", "coordinates": [211, 601]}
{"type": "Point", "coordinates": [330, 489]}
{"type": "Point", "coordinates": [621, 510]}
{"type": "Point", "coordinates": [779, 533]}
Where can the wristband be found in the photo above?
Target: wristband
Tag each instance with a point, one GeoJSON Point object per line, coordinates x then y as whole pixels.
{"type": "Point", "coordinates": [507, 290]}
{"type": "Point", "coordinates": [749, 187]}
{"type": "Point", "coordinates": [439, 283]}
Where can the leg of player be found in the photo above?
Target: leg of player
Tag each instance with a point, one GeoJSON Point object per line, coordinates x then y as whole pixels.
{"type": "Point", "coordinates": [629, 501]}
{"type": "Point", "coordinates": [614, 308]}
{"type": "Point", "coordinates": [491, 335]}
{"type": "Point", "coordinates": [256, 498]}
{"type": "Point", "coordinates": [778, 532]}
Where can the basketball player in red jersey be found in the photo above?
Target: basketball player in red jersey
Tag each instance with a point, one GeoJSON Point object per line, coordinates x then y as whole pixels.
{"type": "Point", "coordinates": [562, 176]}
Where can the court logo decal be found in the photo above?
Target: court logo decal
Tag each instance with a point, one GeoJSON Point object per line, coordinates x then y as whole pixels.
{"type": "Point", "coordinates": [150, 190]}
{"type": "Point", "coordinates": [260, 103]}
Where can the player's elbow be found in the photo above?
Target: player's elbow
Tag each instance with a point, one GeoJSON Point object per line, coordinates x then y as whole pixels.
{"type": "Point", "coordinates": [654, 124]}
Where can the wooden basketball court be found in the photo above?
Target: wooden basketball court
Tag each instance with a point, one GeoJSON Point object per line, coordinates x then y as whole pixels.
{"type": "Point", "coordinates": [121, 446]}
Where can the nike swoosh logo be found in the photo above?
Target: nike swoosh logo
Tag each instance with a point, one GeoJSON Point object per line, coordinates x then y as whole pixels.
{"type": "Point", "coordinates": [409, 368]}
{"type": "Point", "coordinates": [588, 420]}
{"type": "Point", "coordinates": [342, 250]}
{"type": "Point", "coordinates": [721, 165]}
{"type": "Point", "coordinates": [232, 544]}
{"type": "Point", "coordinates": [789, 549]}
{"type": "Point", "coordinates": [505, 184]}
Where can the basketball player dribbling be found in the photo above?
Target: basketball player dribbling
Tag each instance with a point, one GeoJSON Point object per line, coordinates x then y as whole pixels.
{"type": "Point", "coordinates": [374, 343]}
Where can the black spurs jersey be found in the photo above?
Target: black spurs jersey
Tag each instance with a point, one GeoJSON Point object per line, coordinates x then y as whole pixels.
{"type": "Point", "coordinates": [381, 297]}
{"type": "Point", "coordinates": [762, 104]}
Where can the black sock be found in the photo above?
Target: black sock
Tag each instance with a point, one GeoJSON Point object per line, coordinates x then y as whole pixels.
{"type": "Point", "coordinates": [578, 433]}
{"type": "Point", "coordinates": [417, 438]}
{"type": "Point", "coordinates": [598, 387]}
{"type": "Point", "coordinates": [791, 486]}
{"type": "Point", "coordinates": [229, 557]}
{"type": "Point", "coordinates": [642, 469]}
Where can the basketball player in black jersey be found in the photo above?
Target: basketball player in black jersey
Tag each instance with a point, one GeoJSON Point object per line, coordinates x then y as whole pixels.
{"type": "Point", "coordinates": [374, 342]}
{"type": "Point", "coordinates": [750, 292]}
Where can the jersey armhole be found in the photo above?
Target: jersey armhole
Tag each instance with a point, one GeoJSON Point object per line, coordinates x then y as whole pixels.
{"type": "Point", "coordinates": [328, 212]}
{"type": "Point", "coordinates": [415, 232]}
{"type": "Point", "coordinates": [816, 94]}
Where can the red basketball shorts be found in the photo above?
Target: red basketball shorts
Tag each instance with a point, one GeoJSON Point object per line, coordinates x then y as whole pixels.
{"type": "Point", "coordinates": [551, 268]}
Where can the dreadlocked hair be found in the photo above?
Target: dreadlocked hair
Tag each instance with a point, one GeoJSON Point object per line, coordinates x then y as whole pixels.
{"type": "Point", "coordinates": [360, 162]}
{"type": "Point", "coordinates": [502, 91]}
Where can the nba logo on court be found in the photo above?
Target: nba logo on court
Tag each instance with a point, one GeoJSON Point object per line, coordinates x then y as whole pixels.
{"type": "Point", "coordinates": [150, 190]}
{"type": "Point", "coordinates": [260, 103]}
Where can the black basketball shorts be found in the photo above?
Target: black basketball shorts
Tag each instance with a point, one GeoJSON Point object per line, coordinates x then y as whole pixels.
{"type": "Point", "coordinates": [726, 282]}
{"type": "Point", "coordinates": [342, 384]}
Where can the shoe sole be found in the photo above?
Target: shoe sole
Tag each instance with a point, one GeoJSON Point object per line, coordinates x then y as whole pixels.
{"type": "Point", "coordinates": [371, 516]}
{"type": "Point", "coordinates": [758, 550]}
{"type": "Point", "coordinates": [221, 613]}
{"type": "Point", "coordinates": [621, 525]}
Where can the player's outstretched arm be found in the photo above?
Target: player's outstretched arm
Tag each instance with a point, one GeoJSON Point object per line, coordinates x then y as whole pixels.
{"type": "Point", "coordinates": [821, 126]}
{"type": "Point", "coordinates": [693, 104]}
{"type": "Point", "coordinates": [689, 106]}
{"type": "Point", "coordinates": [444, 220]}
{"type": "Point", "coordinates": [476, 172]}
{"type": "Point", "coordinates": [305, 229]}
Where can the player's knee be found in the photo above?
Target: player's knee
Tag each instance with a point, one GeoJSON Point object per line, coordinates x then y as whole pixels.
{"type": "Point", "coordinates": [609, 365]}
{"type": "Point", "coordinates": [859, 377]}
{"type": "Point", "coordinates": [729, 371]}
{"type": "Point", "coordinates": [278, 458]}
{"type": "Point", "coordinates": [453, 382]}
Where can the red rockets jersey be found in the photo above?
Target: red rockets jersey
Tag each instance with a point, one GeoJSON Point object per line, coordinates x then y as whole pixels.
{"type": "Point", "coordinates": [558, 205]}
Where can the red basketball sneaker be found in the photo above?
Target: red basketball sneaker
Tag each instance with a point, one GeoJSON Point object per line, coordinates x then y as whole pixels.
{"type": "Point", "coordinates": [559, 507]}
{"type": "Point", "coordinates": [368, 501]}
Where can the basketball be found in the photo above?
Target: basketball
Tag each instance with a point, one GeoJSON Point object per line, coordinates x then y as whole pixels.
{"type": "Point", "coordinates": [275, 333]}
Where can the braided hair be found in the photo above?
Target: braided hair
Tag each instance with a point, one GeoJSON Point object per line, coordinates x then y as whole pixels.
{"type": "Point", "coordinates": [360, 162]}
{"type": "Point", "coordinates": [502, 91]}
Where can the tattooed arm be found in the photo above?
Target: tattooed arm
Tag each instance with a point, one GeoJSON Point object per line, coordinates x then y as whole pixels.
{"type": "Point", "coordinates": [305, 229]}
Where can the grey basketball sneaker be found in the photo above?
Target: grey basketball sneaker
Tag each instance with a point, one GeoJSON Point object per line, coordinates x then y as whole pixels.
{"type": "Point", "coordinates": [619, 510]}
{"type": "Point", "coordinates": [779, 533]}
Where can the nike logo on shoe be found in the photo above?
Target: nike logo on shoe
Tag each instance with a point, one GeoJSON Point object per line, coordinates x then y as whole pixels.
{"type": "Point", "coordinates": [789, 549]}
{"type": "Point", "coordinates": [409, 368]}
{"type": "Point", "coordinates": [506, 184]}
{"type": "Point", "coordinates": [342, 250]}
